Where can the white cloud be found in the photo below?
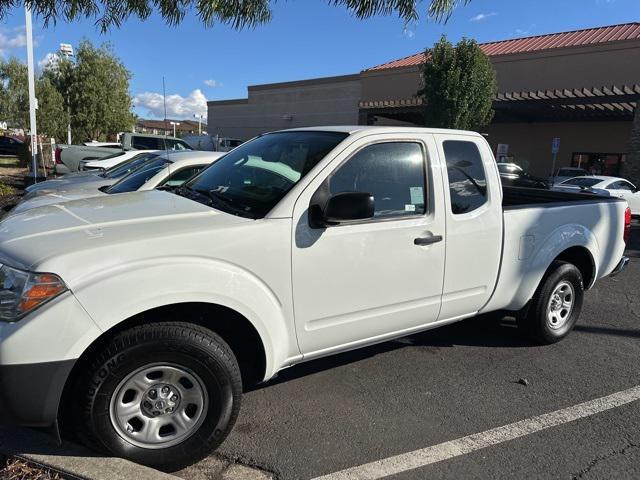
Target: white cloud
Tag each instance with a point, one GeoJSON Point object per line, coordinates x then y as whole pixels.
{"type": "Point", "coordinates": [212, 83]}
{"type": "Point", "coordinates": [9, 42]}
{"type": "Point", "coordinates": [482, 16]}
{"type": "Point", "coordinates": [177, 105]}
{"type": "Point", "coordinates": [49, 58]}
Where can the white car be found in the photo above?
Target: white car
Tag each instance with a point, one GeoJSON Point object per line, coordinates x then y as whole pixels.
{"type": "Point", "coordinates": [147, 312]}
{"type": "Point", "coordinates": [604, 185]}
{"type": "Point", "coordinates": [110, 161]}
{"type": "Point", "coordinates": [163, 170]}
{"type": "Point", "coordinates": [566, 173]}
{"type": "Point", "coordinates": [98, 178]}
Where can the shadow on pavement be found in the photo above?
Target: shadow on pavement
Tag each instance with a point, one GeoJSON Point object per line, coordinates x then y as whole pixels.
{"type": "Point", "coordinates": [492, 330]}
{"type": "Point", "coordinates": [618, 332]}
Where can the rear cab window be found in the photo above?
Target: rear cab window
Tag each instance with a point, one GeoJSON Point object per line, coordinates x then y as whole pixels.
{"type": "Point", "coordinates": [466, 174]}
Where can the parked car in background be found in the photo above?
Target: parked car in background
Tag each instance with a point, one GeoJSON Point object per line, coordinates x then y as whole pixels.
{"type": "Point", "coordinates": [10, 145]}
{"type": "Point", "coordinates": [68, 157]}
{"type": "Point", "coordinates": [163, 170]}
{"type": "Point", "coordinates": [565, 173]}
{"type": "Point", "coordinates": [513, 175]}
{"type": "Point", "coordinates": [157, 308]}
{"type": "Point", "coordinates": [99, 177]}
{"type": "Point", "coordinates": [604, 185]}
{"type": "Point", "coordinates": [111, 160]}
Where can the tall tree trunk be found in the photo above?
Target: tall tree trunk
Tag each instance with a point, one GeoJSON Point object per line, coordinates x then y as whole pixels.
{"type": "Point", "coordinates": [632, 167]}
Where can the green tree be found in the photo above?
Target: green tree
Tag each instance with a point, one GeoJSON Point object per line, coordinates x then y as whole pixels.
{"type": "Point", "coordinates": [14, 100]}
{"type": "Point", "coordinates": [97, 88]}
{"type": "Point", "coordinates": [458, 86]}
{"type": "Point", "coordinates": [238, 14]}
{"type": "Point", "coordinates": [51, 115]}
{"type": "Point", "coordinates": [14, 93]}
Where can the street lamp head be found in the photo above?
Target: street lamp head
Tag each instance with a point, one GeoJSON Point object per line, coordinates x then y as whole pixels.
{"type": "Point", "coordinates": [66, 49]}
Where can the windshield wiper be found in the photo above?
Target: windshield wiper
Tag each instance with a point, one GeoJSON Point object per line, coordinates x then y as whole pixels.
{"type": "Point", "coordinates": [231, 206]}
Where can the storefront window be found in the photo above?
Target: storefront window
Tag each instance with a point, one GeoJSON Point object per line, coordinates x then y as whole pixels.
{"type": "Point", "coordinates": [599, 163]}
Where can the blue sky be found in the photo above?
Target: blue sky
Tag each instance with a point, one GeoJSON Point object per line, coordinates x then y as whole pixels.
{"type": "Point", "coordinates": [305, 39]}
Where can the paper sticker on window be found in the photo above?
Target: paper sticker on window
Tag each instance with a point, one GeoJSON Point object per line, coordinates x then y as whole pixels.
{"type": "Point", "coordinates": [410, 208]}
{"type": "Point", "coordinates": [417, 197]}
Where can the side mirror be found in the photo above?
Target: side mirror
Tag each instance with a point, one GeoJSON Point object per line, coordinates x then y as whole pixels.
{"type": "Point", "coordinates": [342, 207]}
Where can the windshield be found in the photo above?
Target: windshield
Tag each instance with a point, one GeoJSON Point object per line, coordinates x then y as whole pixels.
{"type": "Point", "coordinates": [128, 166]}
{"type": "Point", "coordinates": [139, 177]}
{"type": "Point", "coordinates": [582, 181]}
{"type": "Point", "coordinates": [250, 180]}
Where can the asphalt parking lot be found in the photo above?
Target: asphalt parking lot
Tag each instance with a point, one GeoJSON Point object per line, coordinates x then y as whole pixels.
{"type": "Point", "coordinates": [341, 412]}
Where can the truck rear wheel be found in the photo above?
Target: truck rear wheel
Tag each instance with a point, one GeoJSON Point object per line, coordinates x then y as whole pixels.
{"type": "Point", "coordinates": [556, 305]}
{"type": "Point", "coordinates": [163, 395]}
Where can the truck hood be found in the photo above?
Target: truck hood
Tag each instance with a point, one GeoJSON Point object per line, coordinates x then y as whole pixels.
{"type": "Point", "coordinates": [80, 228]}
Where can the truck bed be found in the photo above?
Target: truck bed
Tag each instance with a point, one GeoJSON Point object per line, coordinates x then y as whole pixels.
{"type": "Point", "coordinates": [537, 221]}
{"type": "Point", "coordinates": [522, 197]}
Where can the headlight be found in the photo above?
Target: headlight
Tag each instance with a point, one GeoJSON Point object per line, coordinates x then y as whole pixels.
{"type": "Point", "coordinates": [22, 292]}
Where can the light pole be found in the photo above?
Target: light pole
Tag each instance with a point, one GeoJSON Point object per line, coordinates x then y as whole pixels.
{"type": "Point", "coordinates": [66, 50]}
{"type": "Point", "coordinates": [33, 101]}
{"type": "Point", "coordinates": [174, 127]}
{"type": "Point", "coordinates": [199, 117]}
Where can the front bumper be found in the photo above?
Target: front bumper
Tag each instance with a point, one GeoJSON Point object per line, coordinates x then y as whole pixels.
{"type": "Point", "coordinates": [30, 393]}
{"type": "Point", "coordinates": [622, 264]}
{"type": "Point", "coordinates": [37, 354]}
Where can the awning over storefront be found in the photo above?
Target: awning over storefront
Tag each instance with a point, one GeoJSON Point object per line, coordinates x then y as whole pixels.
{"type": "Point", "coordinates": [574, 104]}
{"type": "Point", "coordinates": [557, 105]}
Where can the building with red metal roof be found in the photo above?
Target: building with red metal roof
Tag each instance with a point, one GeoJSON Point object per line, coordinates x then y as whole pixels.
{"type": "Point", "coordinates": [581, 86]}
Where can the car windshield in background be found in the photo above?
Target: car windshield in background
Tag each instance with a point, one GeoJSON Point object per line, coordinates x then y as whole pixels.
{"type": "Point", "coordinates": [251, 179]}
{"type": "Point", "coordinates": [138, 177]}
{"type": "Point", "coordinates": [582, 182]}
{"type": "Point", "coordinates": [128, 166]}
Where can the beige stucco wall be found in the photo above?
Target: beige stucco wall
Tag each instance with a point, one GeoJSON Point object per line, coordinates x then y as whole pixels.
{"type": "Point", "coordinates": [327, 101]}
{"type": "Point", "coordinates": [530, 143]}
{"type": "Point", "coordinates": [617, 63]}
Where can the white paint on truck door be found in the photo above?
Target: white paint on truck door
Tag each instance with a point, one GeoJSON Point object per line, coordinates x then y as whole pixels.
{"type": "Point", "coordinates": [474, 223]}
{"type": "Point", "coordinates": [354, 283]}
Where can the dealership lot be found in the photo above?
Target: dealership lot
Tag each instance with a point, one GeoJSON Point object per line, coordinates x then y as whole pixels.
{"type": "Point", "coordinates": [341, 412]}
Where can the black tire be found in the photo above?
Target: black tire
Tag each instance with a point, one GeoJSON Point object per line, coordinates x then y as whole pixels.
{"type": "Point", "coordinates": [186, 346]}
{"type": "Point", "coordinates": [534, 319]}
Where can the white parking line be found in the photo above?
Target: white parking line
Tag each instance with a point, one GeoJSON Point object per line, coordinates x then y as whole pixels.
{"type": "Point", "coordinates": [471, 443]}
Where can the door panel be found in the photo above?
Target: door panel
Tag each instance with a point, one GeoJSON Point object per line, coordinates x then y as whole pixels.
{"type": "Point", "coordinates": [355, 282]}
{"type": "Point", "coordinates": [473, 221]}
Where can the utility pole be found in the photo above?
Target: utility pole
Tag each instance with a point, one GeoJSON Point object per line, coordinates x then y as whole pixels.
{"type": "Point", "coordinates": [33, 102]}
{"type": "Point", "coordinates": [199, 117]}
{"type": "Point", "coordinates": [66, 50]}
{"type": "Point", "coordinates": [174, 127]}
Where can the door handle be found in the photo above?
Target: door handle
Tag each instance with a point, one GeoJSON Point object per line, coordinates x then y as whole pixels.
{"type": "Point", "coordinates": [428, 240]}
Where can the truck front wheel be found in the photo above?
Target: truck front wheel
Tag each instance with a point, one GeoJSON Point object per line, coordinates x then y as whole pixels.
{"type": "Point", "coordinates": [163, 395]}
{"type": "Point", "coordinates": [556, 305]}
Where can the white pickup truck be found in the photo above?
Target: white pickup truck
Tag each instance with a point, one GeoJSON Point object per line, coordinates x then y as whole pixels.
{"type": "Point", "coordinates": [134, 321]}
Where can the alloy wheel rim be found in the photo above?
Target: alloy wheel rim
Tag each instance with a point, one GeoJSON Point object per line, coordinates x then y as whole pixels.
{"type": "Point", "coordinates": [560, 305]}
{"type": "Point", "coordinates": [158, 405]}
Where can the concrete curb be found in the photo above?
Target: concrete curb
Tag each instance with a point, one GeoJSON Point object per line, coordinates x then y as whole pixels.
{"type": "Point", "coordinates": [70, 459]}
{"type": "Point", "coordinates": [77, 462]}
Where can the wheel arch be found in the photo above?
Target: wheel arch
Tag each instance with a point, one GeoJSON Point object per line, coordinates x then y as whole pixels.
{"type": "Point", "coordinates": [236, 329]}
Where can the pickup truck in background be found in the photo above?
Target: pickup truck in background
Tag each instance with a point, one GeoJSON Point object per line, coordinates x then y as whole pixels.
{"type": "Point", "coordinates": [69, 158]}
{"type": "Point", "coordinates": [293, 246]}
